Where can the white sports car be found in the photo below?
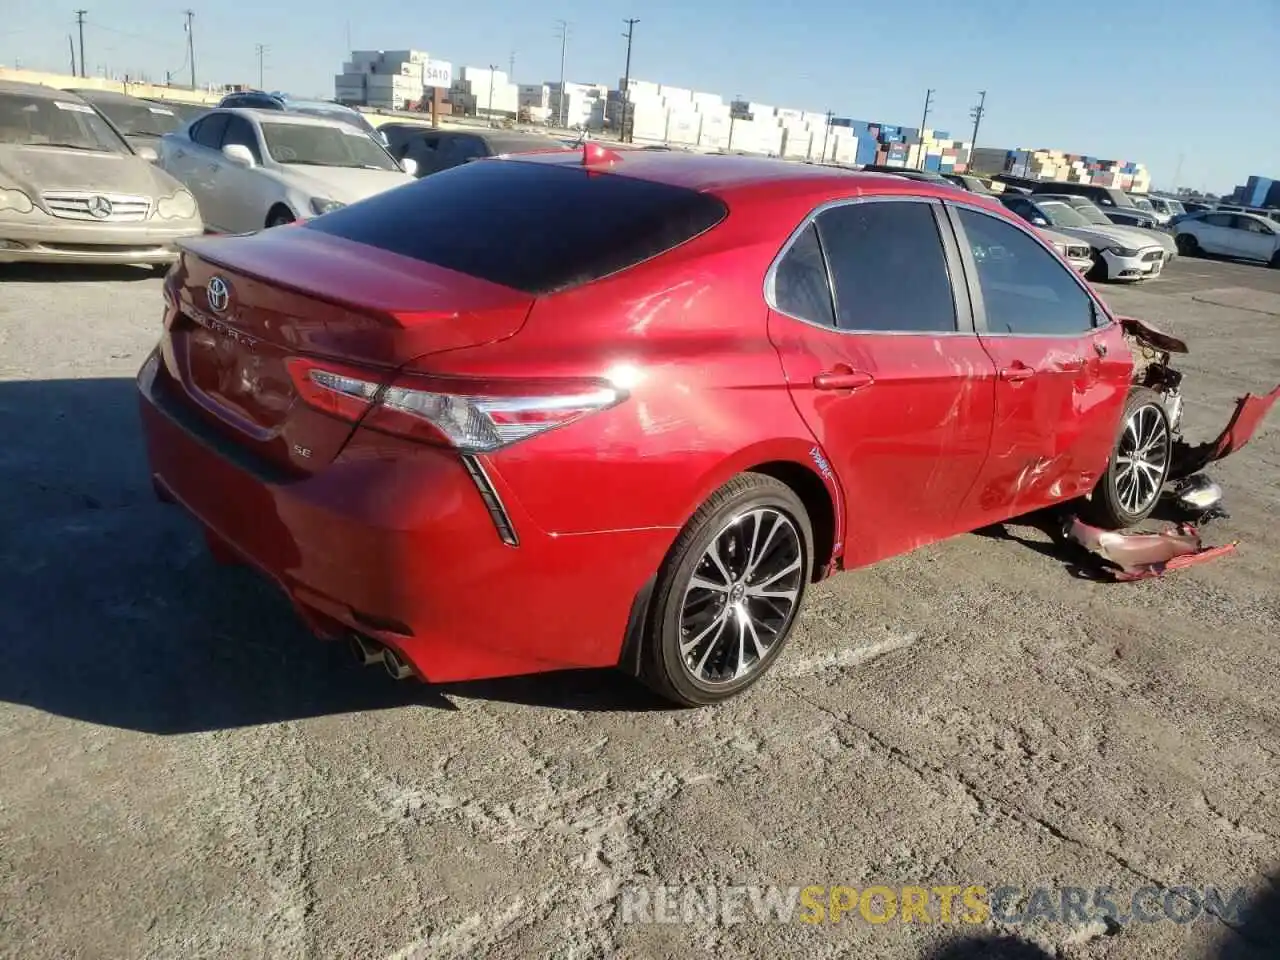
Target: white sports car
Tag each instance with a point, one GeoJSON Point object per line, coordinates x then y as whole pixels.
{"type": "Point", "coordinates": [251, 169]}
{"type": "Point", "coordinates": [1118, 252]}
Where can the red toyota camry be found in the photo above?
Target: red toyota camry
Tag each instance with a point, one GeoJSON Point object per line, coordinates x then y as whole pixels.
{"type": "Point", "coordinates": [601, 409]}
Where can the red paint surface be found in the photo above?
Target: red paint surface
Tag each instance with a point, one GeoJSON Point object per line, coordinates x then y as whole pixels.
{"type": "Point", "coordinates": [360, 526]}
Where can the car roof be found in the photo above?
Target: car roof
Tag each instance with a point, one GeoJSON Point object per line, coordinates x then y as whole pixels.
{"type": "Point", "coordinates": [323, 104]}
{"type": "Point", "coordinates": [722, 174]}
{"type": "Point", "coordinates": [38, 90]}
{"type": "Point", "coordinates": [279, 116]}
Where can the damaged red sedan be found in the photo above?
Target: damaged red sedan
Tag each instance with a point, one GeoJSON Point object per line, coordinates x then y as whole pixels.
{"type": "Point", "coordinates": [603, 409]}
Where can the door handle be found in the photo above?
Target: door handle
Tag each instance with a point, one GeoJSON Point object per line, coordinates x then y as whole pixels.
{"type": "Point", "coordinates": [842, 377]}
{"type": "Point", "coordinates": [1017, 373]}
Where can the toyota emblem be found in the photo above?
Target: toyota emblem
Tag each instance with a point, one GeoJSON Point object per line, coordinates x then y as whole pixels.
{"type": "Point", "coordinates": [99, 207]}
{"type": "Point", "coordinates": [218, 294]}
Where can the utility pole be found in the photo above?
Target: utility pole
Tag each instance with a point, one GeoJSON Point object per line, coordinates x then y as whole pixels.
{"type": "Point", "coordinates": [626, 80]}
{"type": "Point", "coordinates": [80, 22]}
{"type": "Point", "coordinates": [493, 68]}
{"type": "Point", "coordinates": [826, 133]}
{"type": "Point", "coordinates": [72, 44]}
{"type": "Point", "coordinates": [928, 99]}
{"type": "Point", "coordinates": [733, 116]}
{"type": "Point", "coordinates": [511, 67]}
{"type": "Point", "coordinates": [563, 27]}
{"type": "Point", "coordinates": [262, 50]}
{"type": "Point", "coordinates": [977, 113]}
{"type": "Point", "coordinates": [191, 45]}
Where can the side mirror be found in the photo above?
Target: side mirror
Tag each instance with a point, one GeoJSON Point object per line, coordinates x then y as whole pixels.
{"type": "Point", "coordinates": [1039, 221]}
{"type": "Point", "coordinates": [410, 166]}
{"type": "Point", "coordinates": [147, 153]}
{"type": "Point", "coordinates": [239, 154]}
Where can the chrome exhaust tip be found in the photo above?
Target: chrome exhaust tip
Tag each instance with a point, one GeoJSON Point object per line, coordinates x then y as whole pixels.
{"type": "Point", "coordinates": [366, 651]}
{"type": "Point", "coordinates": [395, 664]}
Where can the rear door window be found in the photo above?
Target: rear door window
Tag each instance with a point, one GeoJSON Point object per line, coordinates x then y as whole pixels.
{"type": "Point", "coordinates": [801, 287]}
{"type": "Point", "coordinates": [493, 220]}
{"type": "Point", "coordinates": [888, 267]}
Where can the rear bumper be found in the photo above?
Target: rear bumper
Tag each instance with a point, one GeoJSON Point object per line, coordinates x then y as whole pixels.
{"type": "Point", "coordinates": [50, 241]}
{"type": "Point", "coordinates": [403, 548]}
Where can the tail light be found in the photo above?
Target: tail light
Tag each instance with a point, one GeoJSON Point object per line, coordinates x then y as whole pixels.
{"type": "Point", "coordinates": [473, 416]}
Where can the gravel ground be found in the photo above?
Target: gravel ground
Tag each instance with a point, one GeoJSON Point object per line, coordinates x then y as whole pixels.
{"type": "Point", "coordinates": [186, 773]}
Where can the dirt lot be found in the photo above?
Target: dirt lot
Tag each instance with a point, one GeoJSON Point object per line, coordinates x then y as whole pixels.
{"type": "Point", "coordinates": [184, 773]}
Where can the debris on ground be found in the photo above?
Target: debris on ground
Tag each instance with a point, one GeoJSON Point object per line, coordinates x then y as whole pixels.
{"type": "Point", "coordinates": [1139, 556]}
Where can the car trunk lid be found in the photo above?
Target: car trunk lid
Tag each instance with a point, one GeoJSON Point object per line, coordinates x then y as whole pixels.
{"type": "Point", "coordinates": [242, 307]}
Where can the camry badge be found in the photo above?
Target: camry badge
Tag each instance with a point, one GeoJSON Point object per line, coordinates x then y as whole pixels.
{"type": "Point", "coordinates": [218, 294]}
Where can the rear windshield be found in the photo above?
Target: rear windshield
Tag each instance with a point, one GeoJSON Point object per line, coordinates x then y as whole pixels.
{"type": "Point", "coordinates": [534, 227]}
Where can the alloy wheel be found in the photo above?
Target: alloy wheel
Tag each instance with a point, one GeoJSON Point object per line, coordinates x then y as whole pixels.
{"type": "Point", "coordinates": [742, 596]}
{"type": "Point", "coordinates": [1142, 459]}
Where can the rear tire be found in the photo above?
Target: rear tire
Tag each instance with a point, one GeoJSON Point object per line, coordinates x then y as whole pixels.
{"type": "Point", "coordinates": [1188, 245]}
{"type": "Point", "coordinates": [728, 593]}
{"type": "Point", "coordinates": [1130, 487]}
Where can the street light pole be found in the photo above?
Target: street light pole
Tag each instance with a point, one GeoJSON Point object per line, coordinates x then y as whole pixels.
{"type": "Point", "coordinates": [493, 67]}
{"type": "Point", "coordinates": [626, 80]}
{"type": "Point", "coordinates": [191, 45]}
{"type": "Point", "coordinates": [563, 26]}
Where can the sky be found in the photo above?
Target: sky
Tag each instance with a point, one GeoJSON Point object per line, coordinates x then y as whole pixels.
{"type": "Point", "coordinates": [1191, 89]}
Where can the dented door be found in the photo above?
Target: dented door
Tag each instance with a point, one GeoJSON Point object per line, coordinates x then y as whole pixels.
{"type": "Point", "coordinates": [1062, 370]}
{"type": "Point", "coordinates": [898, 393]}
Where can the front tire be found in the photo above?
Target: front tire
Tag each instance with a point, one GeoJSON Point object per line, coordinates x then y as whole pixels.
{"type": "Point", "coordinates": [1100, 272]}
{"type": "Point", "coordinates": [1187, 245]}
{"type": "Point", "coordinates": [1139, 465]}
{"type": "Point", "coordinates": [728, 593]}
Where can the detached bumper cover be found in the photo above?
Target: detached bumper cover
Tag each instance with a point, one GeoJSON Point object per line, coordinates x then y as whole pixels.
{"type": "Point", "coordinates": [1249, 413]}
{"type": "Point", "coordinates": [1139, 556]}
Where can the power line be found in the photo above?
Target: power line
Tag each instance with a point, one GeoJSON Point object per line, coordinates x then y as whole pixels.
{"type": "Point", "coordinates": [626, 80]}
{"type": "Point", "coordinates": [80, 23]}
